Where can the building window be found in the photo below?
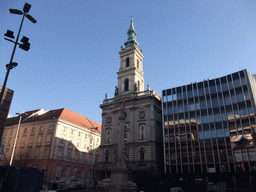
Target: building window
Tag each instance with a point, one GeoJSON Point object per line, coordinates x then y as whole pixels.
{"type": "Point", "coordinates": [108, 135]}
{"type": "Point", "coordinates": [11, 132]}
{"type": "Point", "coordinates": [37, 152]}
{"type": "Point", "coordinates": [25, 130]}
{"type": "Point", "coordinates": [106, 155]}
{"type": "Point", "coordinates": [142, 132]}
{"type": "Point", "coordinates": [142, 153]}
{"type": "Point", "coordinates": [126, 85]}
{"type": "Point", "coordinates": [85, 146]}
{"type": "Point", "coordinates": [83, 172]}
{"type": "Point", "coordinates": [33, 129]}
{"type": "Point", "coordinates": [23, 140]}
{"type": "Point", "coordinates": [98, 139]}
{"type": "Point", "coordinates": [71, 131]}
{"type": "Point", "coordinates": [48, 138]}
{"type": "Point", "coordinates": [50, 127]}
{"type": "Point", "coordinates": [78, 143]}
{"type": "Point", "coordinates": [69, 154]}
{"type": "Point", "coordinates": [41, 128]}
{"type": "Point", "coordinates": [79, 133]}
{"type": "Point", "coordinates": [84, 157]}
{"type": "Point", "coordinates": [127, 62]}
{"type": "Point", "coordinates": [75, 172]}
{"type": "Point", "coordinates": [58, 172]}
{"type": "Point", "coordinates": [60, 153]}
{"type": "Point", "coordinates": [115, 156]}
{"type": "Point", "coordinates": [138, 86]}
{"type": "Point", "coordinates": [85, 136]}
{"type": "Point", "coordinates": [31, 139]}
{"type": "Point", "coordinates": [39, 138]}
{"type": "Point", "coordinates": [67, 172]}
{"type": "Point", "coordinates": [46, 152]}
{"type": "Point", "coordinates": [63, 128]}
{"type": "Point", "coordinates": [61, 141]}
{"type": "Point", "coordinates": [138, 64]}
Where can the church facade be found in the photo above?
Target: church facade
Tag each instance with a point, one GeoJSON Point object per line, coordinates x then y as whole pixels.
{"type": "Point", "coordinates": [142, 124]}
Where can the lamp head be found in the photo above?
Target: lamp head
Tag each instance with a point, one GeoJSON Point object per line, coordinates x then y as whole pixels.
{"type": "Point", "coordinates": [26, 45]}
{"type": "Point", "coordinates": [26, 8]}
{"type": "Point", "coordinates": [9, 34]}
{"type": "Point", "coordinates": [16, 11]}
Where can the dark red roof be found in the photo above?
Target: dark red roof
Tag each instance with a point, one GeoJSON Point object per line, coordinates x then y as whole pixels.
{"type": "Point", "coordinates": [63, 114]}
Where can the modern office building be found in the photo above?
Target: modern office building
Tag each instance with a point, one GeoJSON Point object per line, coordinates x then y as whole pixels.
{"type": "Point", "coordinates": [209, 126]}
{"type": "Point", "coordinates": [61, 142]}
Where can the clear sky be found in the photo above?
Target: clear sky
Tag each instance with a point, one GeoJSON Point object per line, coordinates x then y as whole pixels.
{"type": "Point", "coordinates": [73, 57]}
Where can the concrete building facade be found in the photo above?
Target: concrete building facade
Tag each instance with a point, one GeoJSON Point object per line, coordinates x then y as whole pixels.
{"type": "Point", "coordinates": [61, 142]}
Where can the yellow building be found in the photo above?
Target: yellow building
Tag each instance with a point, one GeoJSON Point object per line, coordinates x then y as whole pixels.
{"type": "Point", "coordinates": [59, 141]}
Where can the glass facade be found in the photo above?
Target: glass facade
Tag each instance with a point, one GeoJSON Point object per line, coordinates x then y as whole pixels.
{"type": "Point", "coordinates": [209, 126]}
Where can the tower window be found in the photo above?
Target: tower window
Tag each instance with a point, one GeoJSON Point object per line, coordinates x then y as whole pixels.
{"type": "Point", "coordinates": [127, 62]}
{"type": "Point", "coordinates": [138, 64]}
{"type": "Point", "coordinates": [138, 86]}
{"type": "Point", "coordinates": [126, 85]}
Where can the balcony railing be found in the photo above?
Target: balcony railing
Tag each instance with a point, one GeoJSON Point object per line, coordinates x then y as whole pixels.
{"type": "Point", "coordinates": [146, 93]}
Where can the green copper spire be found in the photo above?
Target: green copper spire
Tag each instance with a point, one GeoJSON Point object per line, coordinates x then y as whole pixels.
{"type": "Point", "coordinates": [131, 40]}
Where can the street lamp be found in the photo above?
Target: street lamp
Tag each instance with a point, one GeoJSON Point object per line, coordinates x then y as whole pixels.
{"type": "Point", "coordinates": [15, 141]}
{"type": "Point", "coordinates": [25, 45]}
{"type": "Point", "coordinates": [95, 128]}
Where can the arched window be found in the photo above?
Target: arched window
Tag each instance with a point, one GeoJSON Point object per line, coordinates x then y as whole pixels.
{"type": "Point", "coordinates": [126, 85]}
{"type": "Point", "coordinates": [138, 64]}
{"type": "Point", "coordinates": [142, 153]}
{"type": "Point", "coordinates": [106, 155]}
{"type": "Point", "coordinates": [138, 86]}
{"type": "Point", "coordinates": [127, 62]}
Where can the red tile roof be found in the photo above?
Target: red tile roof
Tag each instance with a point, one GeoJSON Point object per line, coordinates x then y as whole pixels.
{"type": "Point", "coordinates": [79, 120]}
{"type": "Point", "coordinates": [63, 114]}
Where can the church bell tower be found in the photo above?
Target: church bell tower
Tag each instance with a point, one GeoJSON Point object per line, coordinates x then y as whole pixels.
{"type": "Point", "coordinates": [130, 74]}
{"type": "Point", "coordinates": [131, 137]}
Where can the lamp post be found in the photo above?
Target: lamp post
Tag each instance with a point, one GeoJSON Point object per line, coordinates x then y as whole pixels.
{"type": "Point", "coordinates": [15, 141]}
{"type": "Point", "coordinates": [25, 45]}
{"type": "Point", "coordinates": [95, 128]}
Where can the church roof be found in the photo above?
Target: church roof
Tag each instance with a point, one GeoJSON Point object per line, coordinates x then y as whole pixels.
{"type": "Point", "coordinates": [131, 40]}
{"type": "Point", "coordinates": [131, 29]}
{"type": "Point", "coordinates": [63, 114]}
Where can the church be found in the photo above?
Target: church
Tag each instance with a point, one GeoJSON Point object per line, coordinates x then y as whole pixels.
{"type": "Point", "coordinates": [143, 137]}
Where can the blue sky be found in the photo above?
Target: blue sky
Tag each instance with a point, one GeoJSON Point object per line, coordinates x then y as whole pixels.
{"type": "Point", "coordinates": [73, 57]}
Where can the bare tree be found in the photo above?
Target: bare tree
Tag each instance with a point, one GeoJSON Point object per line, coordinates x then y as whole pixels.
{"type": "Point", "coordinates": [25, 158]}
{"type": "Point", "coordinates": [4, 160]}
